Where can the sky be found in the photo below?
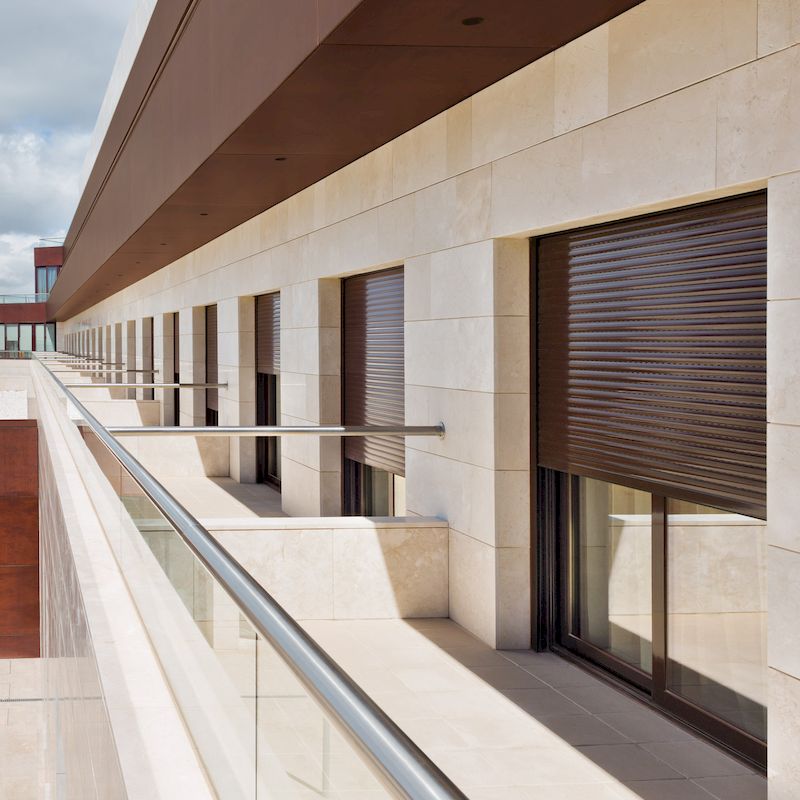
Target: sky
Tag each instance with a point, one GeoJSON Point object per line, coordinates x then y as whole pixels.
{"type": "Point", "coordinates": [56, 57]}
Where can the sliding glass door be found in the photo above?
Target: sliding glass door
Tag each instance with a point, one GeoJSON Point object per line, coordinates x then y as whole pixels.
{"type": "Point", "coordinates": [669, 596]}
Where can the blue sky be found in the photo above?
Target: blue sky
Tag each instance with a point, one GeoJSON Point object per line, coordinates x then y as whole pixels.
{"type": "Point", "coordinates": [56, 57]}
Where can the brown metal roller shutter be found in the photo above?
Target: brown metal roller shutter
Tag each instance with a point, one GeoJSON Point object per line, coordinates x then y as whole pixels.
{"type": "Point", "coordinates": [374, 376]}
{"type": "Point", "coordinates": [212, 370]}
{"type": "Point", "coordinates": [652, 353]}
{"type": "Point", "coordinates": [268, 333]}
{"type": "Point", "coordinates": [176, 343]}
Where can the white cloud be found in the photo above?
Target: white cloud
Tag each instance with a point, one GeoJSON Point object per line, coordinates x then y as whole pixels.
{"type": "Point", "coordinates": [39, 179]}
{"type": "Point", "coordinates": [55, 61]}
{"type": "Point", "coordinates": [16, 263]}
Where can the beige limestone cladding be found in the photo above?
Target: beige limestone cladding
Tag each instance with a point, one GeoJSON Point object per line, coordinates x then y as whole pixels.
{"type": "Point", "coordinates": [144, 361]}
{"type": "Point", "coordinates": [182, 456]}
{"type": "Point", "coordinates": [237, 368]}
{"type": "Point", "coordinates": [310, 395]}
{"type": "Point", "coordinates": [467, 364]}
{"type": "Point", "coordinates": [758, 118]}
{"type": "Point", "coordinates": [376, 568]}
{"type": "Point", "coordinates": [778, 25]}
{"type": "Point", "coordinates": [784, 599]}
{"type": "Point", "coordinates": [783, 237]}
{"type": "Point", "coordinates": [783, 478]}
{"type": "Point", "coordinates": [784, 755]}
{"type": "Point", "coordinates": [419, 158]}
{"type": "Point", "coordinates": [473, 592]}
{"type": "Point", "coordinates": [164, 356]}
{"type": "Point", "coordinates": [129, 357]}
{"type": "Point", "coordinates": [459, 137]}
{"type": "Point", "coordinates": [664, 45]}
{"type": "Point", "coordinates": [192, 322]}
{"type": "Point", "coordinates": [783, 360]}
{"type": "Point", "coordinates": [514, 113]}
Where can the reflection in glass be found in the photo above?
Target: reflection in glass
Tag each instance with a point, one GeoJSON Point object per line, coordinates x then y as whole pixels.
{"type": "Point", "coordinates": [613, 570]}
{"type": "Point", "coordinates": [717, 612]}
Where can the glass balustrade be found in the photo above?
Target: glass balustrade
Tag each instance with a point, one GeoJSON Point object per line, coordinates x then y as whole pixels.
{"type": "Point", "coordinates": [260, 732]}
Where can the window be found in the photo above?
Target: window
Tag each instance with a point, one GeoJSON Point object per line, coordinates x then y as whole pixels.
{"type": "Point", "coordinates": [46, 279]}
{"type": "Point", "coordinates": [39, 330]}
{"type": "Point", "coordinates": [717, 613]}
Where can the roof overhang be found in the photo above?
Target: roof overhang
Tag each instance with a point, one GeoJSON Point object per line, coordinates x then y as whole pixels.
{"type": "Point", "coordinates": [229, 109]}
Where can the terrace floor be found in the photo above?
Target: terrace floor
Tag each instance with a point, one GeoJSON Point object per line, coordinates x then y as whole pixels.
{"type": "Point", "coordinates": [526, 726]}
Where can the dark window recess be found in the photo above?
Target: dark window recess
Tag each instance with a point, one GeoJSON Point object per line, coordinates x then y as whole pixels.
{"type": "Point", "coordinates": [268, 386]}
{"type": "Point", "coordinates": [374, 385]}
{"type": "Point", "coordinates": [651, 353]}
{"type": "Point", "coordinates": [268, 448]}
{"type": "Point", "coordinates": [369, 492]}
{"type": "Point", "coordinates": [212, 370]}
{"type": "Point", "coordinates": [176, 361]}
{"type": "Point", "coordinates": [149, 377]}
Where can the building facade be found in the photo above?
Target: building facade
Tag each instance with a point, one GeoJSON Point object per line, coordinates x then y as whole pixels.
{"type": "Point", "coordinates": [587, 271]}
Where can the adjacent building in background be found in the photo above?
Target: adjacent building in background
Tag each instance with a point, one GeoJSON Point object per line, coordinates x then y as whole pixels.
{"type": "Point", "coordinates": [24, 326]}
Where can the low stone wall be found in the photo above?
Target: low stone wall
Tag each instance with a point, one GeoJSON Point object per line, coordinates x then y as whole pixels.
{"type": "Point", "coordinates": [360, 568]}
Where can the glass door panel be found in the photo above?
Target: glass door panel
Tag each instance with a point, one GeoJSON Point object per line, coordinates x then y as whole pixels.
{"type": "Point", "coordinates": [717, 613]}
{"type": "Point", "coordinates": [613, 570]}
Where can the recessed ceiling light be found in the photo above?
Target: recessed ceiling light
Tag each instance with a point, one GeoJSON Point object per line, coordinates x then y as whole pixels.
{"type": "Point", "coordinates": [280, 158]}
{"type": "Point", "coordinates": [204, 213]}
{"type": "Point", "coordinates": [471, 21]}
{"type": "Point", "coordinates": [163, 244]}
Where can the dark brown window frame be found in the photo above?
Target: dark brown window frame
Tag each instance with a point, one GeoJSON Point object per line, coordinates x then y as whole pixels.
{"type": "Point", "coordinates": [550, 513]}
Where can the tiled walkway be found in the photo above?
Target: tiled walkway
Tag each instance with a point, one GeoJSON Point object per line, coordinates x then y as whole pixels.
{"type": "Point", "coordinates": [526, 726]}
{"type": "Point", "coordinates": [503, 726]}
{"type": "Point", "coordinates": [21, 730]}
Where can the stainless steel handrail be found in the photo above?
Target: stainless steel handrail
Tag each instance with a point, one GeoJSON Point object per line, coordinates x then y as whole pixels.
{"type": "Point", "coordinates": [101, 371]}
{"type": "Point", "coordinates": [278, 430]}
{"type": "Point", "coordinates": [403, 766]}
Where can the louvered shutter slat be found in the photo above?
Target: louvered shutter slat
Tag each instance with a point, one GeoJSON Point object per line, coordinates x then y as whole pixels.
{"type": "Point", "coordinates": [651, 339]}
{"type": "Point", "coordinates": [374, 375]}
